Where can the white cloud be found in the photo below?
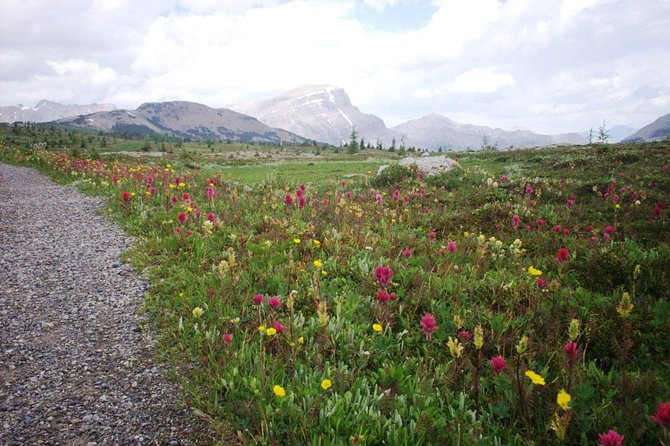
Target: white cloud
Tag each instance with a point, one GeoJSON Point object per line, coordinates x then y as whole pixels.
{"type": "Point", "coordinates": [551, 65]}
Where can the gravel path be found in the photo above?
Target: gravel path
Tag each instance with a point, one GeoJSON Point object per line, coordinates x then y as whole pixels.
{"type": "Point", "coordinates": [75, 368]}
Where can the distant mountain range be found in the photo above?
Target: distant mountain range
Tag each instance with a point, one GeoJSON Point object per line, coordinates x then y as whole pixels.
{"type": "Point", "coordinates": [46, 111]}
{"type": "Point", "coordinates": [325, 113]}
{"type": "Point", "coordinates": [183, 119]}
{"type": "Point", "coordinates": [321, 113]}
{"type": "Point", "coordinates": [656, 131]}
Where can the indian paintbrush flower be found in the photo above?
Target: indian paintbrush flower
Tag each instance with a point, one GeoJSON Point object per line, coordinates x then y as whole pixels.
{"type": "Point", "coordinates": [611, 438]}
{"type": "Point", "coordinates": [498, 364]}
{"type": "Point", "coordinates": [197, 312]}
{"type": "Point", "coordinates": [573, 330]}
{"type": "Point", "coordinates": [571, 351]}
{"type": "Point", "coordinates": [455, 347]}
{"type": "Point", "coordinates": [274, 302]}
{"type": "Point", "coordinates": [662, 415]}
{"type": "Point", "coordinates": [428, 324]}
{"type": "Point", "coordinates": [563, 255]}
{"type": "Point", "coordinates": [479, 337]}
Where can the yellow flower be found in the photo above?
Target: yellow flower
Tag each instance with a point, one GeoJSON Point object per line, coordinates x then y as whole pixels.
{"type": "Point", "coordinates": [271, 331]}
{"type": "Point", "coordinates": [535, 378]}
{"type": "Point", "coordinates": [279, 391]}
{"type": "Point", "coordinates": [316, 243]}
{"type": "Point", "coordinates": [377, 328]}
{"type": "Point", "coordinates": [324, 273]}
{"type": "Point", "coordinates": [326, 384]}
{"type": "Point", "coordinates": [261, 328]}
{"type": "Point", "coordinates": [301, 340]}
{"type": "Point", "coordinates": [182, 184]}
{"type": "Point", "coordinates": [296, 241]}
{"type": "Point", "coordinates": [563, 399]}
{"type": "Point", "coordinates": [197, 311]}
{"type": "Point", "coordinates": [318, 263]}
{"type": "Point", "coordinates": [455, 347]}
{"type": "Point", "coordinates": [625, 306]}
{"type": "Point", "coordinates": [534, 272]}
{"type": "Point", "coordinates": [479, 337]}
{"type": "Point", "coordinates": [172, 186]}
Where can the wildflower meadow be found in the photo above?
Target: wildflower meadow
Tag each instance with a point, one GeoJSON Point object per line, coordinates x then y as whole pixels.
{"type": "Point", "coordinates": [521, 298]}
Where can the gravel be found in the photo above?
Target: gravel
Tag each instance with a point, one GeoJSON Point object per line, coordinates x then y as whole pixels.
{"type": "Point", "coordinates": [75, 366]}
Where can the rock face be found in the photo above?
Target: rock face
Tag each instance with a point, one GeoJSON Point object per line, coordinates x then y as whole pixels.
{"type": "Point", "coordinates": [46, 111]}
{"type": "Point", "coordinates": [436, 131]}
{"type": "Point", "coordinates": [321, 113]}
{"type": "Point", "coordinates": [656, 131]}
{"type": "Point", "coordinates": [184, 119]}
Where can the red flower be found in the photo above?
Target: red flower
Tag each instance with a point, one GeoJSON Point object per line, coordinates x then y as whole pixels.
{"type": "Point", "coordinates": [428, 324]}
{"type": "Point", "coordinates": [662, 415]}
{"type": "Point", "coordinates": [611, 438]}
{"type": "Point", "coordinates": [181, 217]}
{"type": "Point", "coordinates": [556, 228]}
{"type": "Point", "coordinates": [125, 196]}
{"type": "Point", "coordinates": [571, 351]}
{"type": "Point", "coordinates": [185, 196]}
{"type": "Point", "coordinates": [227, 338]}
{"type": "Point", "coordinates": [562, 255]}
{"type": "Point", "coordinates": [383, 274]}
{"type": "Point", "coordinates": [383, 296]}
{"type": "Point", "coordinates": [465, 335]}
{"type": "Point", "coordinates": [288, 199]}
{"type": "Point", "coordinates": [540, 282]}
{"type": "Point", "coordinates": [498, 364]}
{"type": "Point", "coordinates": [173, 199]}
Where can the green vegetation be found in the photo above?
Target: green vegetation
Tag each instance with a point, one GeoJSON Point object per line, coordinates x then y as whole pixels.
{"type": "Point", "coordinates": [521, 298]}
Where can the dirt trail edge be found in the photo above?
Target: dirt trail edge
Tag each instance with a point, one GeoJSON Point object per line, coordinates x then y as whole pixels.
{"type": "Point", "coordinates": [75, 369]}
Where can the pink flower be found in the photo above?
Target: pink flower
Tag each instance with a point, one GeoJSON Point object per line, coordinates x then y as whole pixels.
{"type": "Point", "coordinates": [465, 335]}
{"type": "Point", "coordinates": [378, 199]}
{"type": "Point", "coordinates": [529, 190]}
{"type": "Point", "coordinates": [274, 302]}
{"type": "Point", "coordinates": [451, 246]}
{"type": "Point", "coordinates": [258, 299]}
{"type": "Point", "coordinates": [662, 415]}
{"type": "Point", "coordinates": [210, 217]}
{"type": "Point", "coordinates": [396, 195]}
{"type": "Point", "coordinates": [428, 324]}
{"type": "Point", "coordinates": [384, 297]}
{"type": "Point", "coordinates": [498, 364]}
{"type": "Point", "coordinates": [609, 230]}
{"type": "Point", "coordinates": [210, 193]}
{"type": "Point", "coordinates": [125, 196]}
{"type": "Point", "coordinates": [407, 252]}
{"type": "Point", "coordinates": [556, 228]}
{"type": "Point", "coordinates": [383, 274]}
{"type": "Point", "coordinates": [611, 438]}
{"type": "Point", "coordinates": [181, 217]}
{"type": "Point", "coordinates": [503, 178]}
{"type": "Point", "coordinates": [539, 221]}
{"type": "Point", "coordinates": [279, 327]}
{"type": "Point", "coordinates": [571, 351]}
{"type": "Point", "coordinates": [227, 338]}
{"type": "Point", "coordinates": [570, 202]}
{"type": "Point", "coordinates": [540, 282]}
{"type": "Point", "coordinates": [566, 231]}
{"type": "Point", "coordinates": [516, 221]}
{"type": "Point", "coordinates": [301, 201]}
{"type": "Point", "coordinates": [173, 199]}
{"type": "Point", "coordinates": [562, 255]}
{"type": "Point", "coordinates": [185, 196]}
{"type": "Point", "coordinates": [432, 235]}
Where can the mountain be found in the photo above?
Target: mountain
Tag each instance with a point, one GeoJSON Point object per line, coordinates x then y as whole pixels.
{"type": "Point", "coordinates": [46, 111]}
{"type": "Point", "coordinates": [656, 131]}
{"type": "Point", "coordinates": [435, 131]}
{"type": "Point", "coordinates": [318, 112]}
{"type": "Point", "coordinates": [184, 119]}
{"type": "Point", "coordinates": [616, 133]}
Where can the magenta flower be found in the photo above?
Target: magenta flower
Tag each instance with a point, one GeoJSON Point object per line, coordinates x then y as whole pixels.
{"type": "Point", "coordinates": [562, 255]}
{"type": "Point", "coordinates": [210, 192]}
{"type": "Point", "coordinates": [498, 364]}
{"type": "Point", "coordinates": [185, 196]}
{"type": "Point", "coordinates": [258, 299]}
{"type": "Point", "coordinates": [274, 302]}
{"type": "Point", "coordinates": [211, 217]}
{"type": "Point", "coordinates": [571, 351]}
{"type": "Point", "coordinates": [383, 296]}
{"type": "Point", "coordinates": [407, 252]}
{"type": "Point", "coordinates": [383, 274]}
{"type": "Point", "coordinates": [451, 247]}
{"type": "Point", "coordinates": [611, 438]}
{"type": "Point", "coordinates": [662, 415]}
{"type": "Point", "coordinates": [428, 324]}
{"type": "Point", "coordinates": [516, 221]}
{"type": "Point", "coordinates": [465, 335]}
{"type": "Point", "coordinates": [173, 199]}
{"type": "Point", "coordinates": [181, 217]}
{"type": "Point", "coordinates": [540, 282]}
{"type": "Point", "coordinates": [279, 327]}
{"type": "Point", "coordinates": [227, 338]}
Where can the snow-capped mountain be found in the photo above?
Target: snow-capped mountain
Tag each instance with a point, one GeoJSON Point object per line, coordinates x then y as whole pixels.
{"type": "Point", "coordinates": [46, 111]}
{"type": "Point", "coordinates": [319, 112]}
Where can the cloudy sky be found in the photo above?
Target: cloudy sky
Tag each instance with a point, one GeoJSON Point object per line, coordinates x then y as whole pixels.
{"type": "Point", "coordinates": [544, 65]}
